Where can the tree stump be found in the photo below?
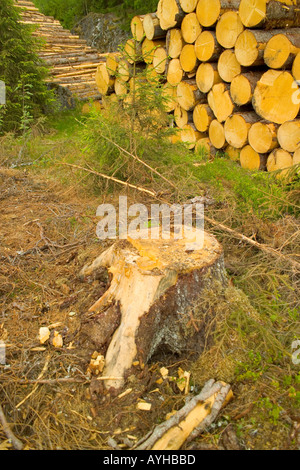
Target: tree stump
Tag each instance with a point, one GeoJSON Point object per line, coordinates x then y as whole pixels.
{"type": "Point", "coordinates": [150, 305]}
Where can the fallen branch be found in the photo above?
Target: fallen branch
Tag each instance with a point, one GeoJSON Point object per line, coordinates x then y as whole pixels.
{"type": "Point", "coordinates": [17, 444]}
{"type": "Point", "coordinates": [199, 413]}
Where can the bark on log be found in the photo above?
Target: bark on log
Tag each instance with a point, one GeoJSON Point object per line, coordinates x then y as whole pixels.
{"type": "Point", "coordinates": [189, 422]}
{"type": "Point", "coordinates": [174, 43]}
{"type": "Point", "coordinates": [188, 95]}
{"type": "Point", "coordinates": [228, 66]}
{"type": "Point", "coordinates": [155, 285]}
{"type": "Point", "coordinates": [220, 101]}
{"type": "Point", "coordinates": [190, 28]}
{"type": "Point", "coordinates": [276, 97]}
{"type": "Point", "coordinates": [207, 47]}
{"type": "Point", "coordinates": [170, 14]}
{"type": "Point", "coordinates": [228, 28]}
{"type": "Point", "coordinates": [289, 135]}
{"type": "Point", "coordinates": [242, 87]}
{"type": "Point", "coordinates": [251, 160]}
{"type": "Point", "coordinates": [237, 127]}
{"type": "Point", "coordinates": [152, 27]}
{"type": "Point", "coordinates": [216, 134]}
{"type": "Point", "coordinates": [281, 49]}
{"type": "Point", "coordinates": [263, 137]}
{"type": "Point", "coordinates": [269, 14]}
{"type": "Point", "coordinates": [207, 76]}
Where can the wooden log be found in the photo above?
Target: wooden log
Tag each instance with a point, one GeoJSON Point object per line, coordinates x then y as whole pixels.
{"type": "Point", "coordinates": [112, 63]}
{"type": "Point", "coordinates": [242, 87]}
{"type": "Point", "coordinates": [148, 49]}
{"type": "Point", "coordinates": [209, 11]}
{"type": "Point", "coordinates": [155, 283]}
{"type": "Point", "coordinates": [175, 72]}
{"type": "Point", "coordinates": [189, 95]}
{"type": "Point", "coordinates": [207, 76]}
{"type": "Point", "coordinates": [124, 70]}
{"type": "Point", "coordinates": [233, 153]}
{"type": "Point", "coordinates": [228, 28]}
{"type": "Point", "coordinates": [120, 87]}
{"type": "Point", "coordinates": [190, 28]}
{"type": "Point", "coordinates": [133, 51]}
{"type": "Point", "coordinates": [296, 68]}
{"type": "Point", "coordinates": [181, 116]}
{"type": "Point", "coordinates": [151, 75]}
{"type": "Point", "coordinates": [170, 14]}
{"type": "Point", "coordinates": [188, 58]}
{"type": "Point", "coordinates": [188, 134]}
{"type": "Point", "coordinates": [160, 60]}
{"type": "Point", "coordinates": [202, 117]}
{"type": "Point", "coordinates": [205, 146]}
{"type": "Point", "coordinates": [263, 137]}
{"type": "Point", "coordinates": [137, 28]}
{"type": "Point", "coordinates": [189, 422]}
{"type": "Point", "coordinates": [174, 43]}
{"type": "Point", "coordinates": [296, 158]}
{"type": "Point", "coordinates": [236, 128]}
{"type": "Point", "coordinates": [269, 14]}
{"type": "Point", "coordinates": [250, 46]}
{"type": "Point", "coordinates": [188, 6]}
{"type": "Point", "coordinates": [228, 66]}
{"type": "Point", "coordinates": [207, 47]}
{"type": "Point", "coordinates": [251, 160]}
{"type": "Point", "coordinates": [281, 49]}
{"type": "Point", "coordinates": [103, 80]}
{"type": "Point", "coordinates": [274, 97]}
{"type": "Point", "coordinates": [280, 159]}
{"type": "Point", "coordinates": [152, 27]}
{"type": "Point", "coordinates": [216, 134]}
{"type": "Point", "coordinates": [289, 135]}
{"type": "Point", "coordinates": [169, 94]}
{"type": "Point", "coordinates": [220, 101]}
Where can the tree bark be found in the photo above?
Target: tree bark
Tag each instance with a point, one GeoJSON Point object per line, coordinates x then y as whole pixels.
{"type": "Point", "coordinates": [270, 15]}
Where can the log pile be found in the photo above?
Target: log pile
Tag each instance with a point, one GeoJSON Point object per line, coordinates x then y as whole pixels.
{"type": "Point", "coordinates": [71, 61]}
{"type": "Point", "coordinates": [232, 68]}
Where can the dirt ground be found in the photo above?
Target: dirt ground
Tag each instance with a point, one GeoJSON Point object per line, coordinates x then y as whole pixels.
{"type": "Point", "coordinates": [46, 393]}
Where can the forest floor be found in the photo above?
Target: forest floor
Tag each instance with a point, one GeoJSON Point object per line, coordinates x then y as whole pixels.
{"type": "Point", "coordinates": [47, 234]}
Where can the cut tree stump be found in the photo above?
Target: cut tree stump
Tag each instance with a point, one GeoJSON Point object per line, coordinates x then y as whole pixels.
{"type": "Point", "coordinates": [151, 302]}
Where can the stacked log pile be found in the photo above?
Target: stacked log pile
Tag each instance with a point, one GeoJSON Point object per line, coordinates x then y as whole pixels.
{"type": "Point", "coordinates": [232, 70]}
{"type": "Point", "coordinates": [72, 63]}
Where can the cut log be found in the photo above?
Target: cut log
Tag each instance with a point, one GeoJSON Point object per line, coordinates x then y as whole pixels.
{"type": "Point", "coordinates": [228, 28]}
{"type": "Point", "coordinates": [124, 71]}
{"type": "Point", "coordinates": [269, 14]}
{"type": "Point", "coordinates": [190, 28]}
{"type": "Point", "coordinates": [148, 49]}
{"type": "Point", "coordinates": [160, 60]}
{"type": "Point", "coordinates": [208, 12]}
{"type": "Point", "coordinates": [152, 27]}
{"type": "Point", "coordinates": [120, 87]}
{"type": "Point", "coordinates": [189, 95]}
{"type": "Point", "coordinates": [151, 75]}
{"type": "Point", "coordinates": [207, 48]}
{"type": "Point", "coordinates": [188, 6]}
{"type": "Point", "coordinates": [137, 28]}
{"type": "Point", "coordinates": [202, 117]}
{"type": "Point", "coordinates": [250, 46]}
{"type": "Point", "coordinates": [263, 137]}
{"type": "Point", "coordinates": [207, 76]}
{"type": "Point", "coordinates": [193, 419]}
{"type": "Point", "coordinates": [169, 94]}
{"type": "Point", "coordinates": [296, 159]}
{"type": "Point", "coordinates": [242, 87]}
{"type": "Point", "coordinates": [280, 159]}
{"type": "Point", "coordinates": [181, 116]}
{"type": "Point", "coordinates": [174, 43]}
{"type": "Point", "coordinates": [216, 134]}
{"type": "Point", "coordinates": [281, 49]}
{"type": "Point", "coordinates": [275, 97]}
{"type": "Point", "coordinates": [188, 58]}
{"type": "Point", "coordinates": [289, 135]}
{"type": "Point", "coordinates": [204, 145]}
{"type": "Point", "coordinates": [170, 14]}
{"type": "Point", "coordinates": [220, 102]}
{"type": "Point", "coordinates": [155, 283]}
{"type": "Point", "coordinates": [228, 66]}
{"type": "Point", "coordinates": [236, 128]}
{"type": "Point", "coordinates": [175, 72]}
{"type": "Point", "coordinates": [104, 81]}
{"type": "Point", "coordinates": [189, 135]}
{"type": "Point", "coordinates": [296, 67]}
{"type": "Point", "coordinates": [233, 153]}
{"type": "Point", "coordinates": [251, 160]}
{"type": "Point", "coordinates": [112, 63]}
{"type": "Point", "coordinates": [133, 51]}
